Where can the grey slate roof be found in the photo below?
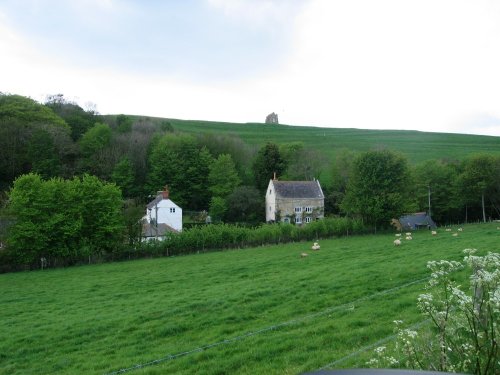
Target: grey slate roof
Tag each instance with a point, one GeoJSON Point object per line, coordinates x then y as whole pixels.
{"type": "Point", "coordinates": [155, 201]}
{"type": "Point", "coordinates": [149, 230]}
{"type": "Point", "coordinates": [414, 221]}
{"type": "Point", "coordinates": [298, 189]}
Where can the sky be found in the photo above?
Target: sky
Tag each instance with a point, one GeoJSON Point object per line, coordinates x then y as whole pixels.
{"type": "Point", "coordinates": [429, 65]}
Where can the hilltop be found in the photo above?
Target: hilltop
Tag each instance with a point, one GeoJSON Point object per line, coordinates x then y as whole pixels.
{"type": "Point", "coordinates": [416, 145]}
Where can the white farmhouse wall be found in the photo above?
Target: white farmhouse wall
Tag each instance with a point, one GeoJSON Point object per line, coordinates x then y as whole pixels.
{"type": "Point", "coordinates": [168, 213]}
{"type": "Point", "coordinates": [270, 203]}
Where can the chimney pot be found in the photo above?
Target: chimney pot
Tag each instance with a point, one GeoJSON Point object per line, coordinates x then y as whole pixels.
{"type": "Point", "coordinates": [165, 192]}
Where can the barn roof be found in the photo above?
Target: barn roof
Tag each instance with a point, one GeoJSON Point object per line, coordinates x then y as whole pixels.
{"type": "Point", "coordinates": [298, 189]}
{"type": "Point", "coordinates": [151, 230]}
{"type": "Point", "coordinates": [419, 219]}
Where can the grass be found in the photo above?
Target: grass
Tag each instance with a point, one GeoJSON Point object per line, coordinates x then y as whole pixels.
{"type": "Point", "coordinates": [102, 318]}
{"type": "Point", "coordinates": [417, 146]}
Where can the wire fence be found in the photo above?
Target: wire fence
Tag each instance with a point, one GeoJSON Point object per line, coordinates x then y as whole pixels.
{"type": "Point", "coordinates": [277, 326]}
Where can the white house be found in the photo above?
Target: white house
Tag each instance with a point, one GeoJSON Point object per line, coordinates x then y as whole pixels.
{"type": "Point", "coordinates": [298, 202]}
{"type": "Point", "coordinates": [162, 216]}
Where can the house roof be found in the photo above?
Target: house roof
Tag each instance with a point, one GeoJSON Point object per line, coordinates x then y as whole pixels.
{"type": "Point", "coordinates": [159, 198]}
{"type": "Point", "coordinates": [151, 230]}
{"type": "Point", "coordinates": [417, 219]}
{"type": "Point", "coordinates": [298, 189]}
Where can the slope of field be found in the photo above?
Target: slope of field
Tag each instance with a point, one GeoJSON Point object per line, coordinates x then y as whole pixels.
{"type": "Point", "coordinates": [254, 311]}
{"type": "Point", "coordinates": [417, 146]}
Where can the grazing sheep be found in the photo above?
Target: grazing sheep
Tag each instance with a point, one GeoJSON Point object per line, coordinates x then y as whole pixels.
{"type": "Point", "coordinates": [398, 234]}
{"type": "Point", "coordinates": [448, 229]}
{"type": "Point", "coordinates": [303, 255]}
{"type": "Point", "coordinates": [434, 233]}
{"type": "Point", "coordinates": [315, 246]}
{"type": "Point", "coordinates": [397, 242]}
{"type": "Point", "coordinates": [409, 238]}
{"type": "Point", "coordinates": [455, 234]}
{"type": "Point", "coordinates": [460, 229]}
{"type": "Point", "coordinates": [408, 234]}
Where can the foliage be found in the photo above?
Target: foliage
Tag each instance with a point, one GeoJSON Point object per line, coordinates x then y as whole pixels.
{"type": "Point", "coordinates": [479, 179]}
{"type": "Point", "coordinates": [93, 145]}
{"type": "Point", "coordinates": [302, 163]}
{"type": "Point", "coordinates": [267, 162]}
{"type": "Point", "coordinates": [123, 123]}
{"type": "Point", "coordinates": [378, 189]}
{"type": "Point", "coordinates": [217, 209]}
{"type": "Point", "coordinates": [63, 221]}
{"type": "Point", "coordinates": [245, 205]}
{"type": "Point", "coordinates": [223, 178]}
{"type": "Point", "coordinates": [465, 322]}
{"type": "Point", "coordinates": [442, 180]}
{"type": "Point", "coordinates": [177, 160]}
{"type": "Point", "coordinates": [31, 135]}
{"type": "Point", "coordinates": [123, 176]}
{"type": "Point", "coordinates": [75, 116]}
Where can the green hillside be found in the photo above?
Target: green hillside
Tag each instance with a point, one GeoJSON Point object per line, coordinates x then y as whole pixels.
{"type": "Point", "coordinates": [417, 146]}
{"type": "Point", "coordinates": [265, 310]}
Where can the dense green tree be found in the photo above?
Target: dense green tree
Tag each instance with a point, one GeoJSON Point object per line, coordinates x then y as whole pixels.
{"type": "Point", "coordinates": [20, 119]}
{"type": "Point", "coordinates": [268, 162]}
{"type": "Point", "coordinates": [217, 209]}
{"type": "Point", "coordinates": [43, 154]}
{"type": "Point", "coordinates": [302, 163]}
{"type": "Point", "coordinates": [63, 220]}
{"type": "Point", "coordinates": [245, 205]}
{"type": "Point", "coordinates": [28, 111]}
{"type": "Point", "coordinates": [378, 189]}
{"type": "Point", "coordinates": [179, 162]}
{"type": "Point", "coordinates": [438, 181]}
{"type": "Point", "coordinates": [241, 153]}
{"type": "Point", "coordinates": [75, 116]}
{"type": "Point", "coordinates": [93, 145]}
{"type": "Point", "coordinates": [223, 178]}
{"type": "Point", "coordinates": [341, 171]}
{"type": "Point", "coordinates": [123, 176]}
{"type": "Point", "coordinates": [124, 123]}
{"type": "Point", "coordinates": [479, 180]}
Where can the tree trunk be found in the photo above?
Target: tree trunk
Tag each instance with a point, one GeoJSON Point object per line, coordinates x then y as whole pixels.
{"type": "Point", "coordinates": [484, 213]}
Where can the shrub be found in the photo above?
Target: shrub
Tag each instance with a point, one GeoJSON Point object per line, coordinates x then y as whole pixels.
{"type": "Point", "coordinates": [465, 324]}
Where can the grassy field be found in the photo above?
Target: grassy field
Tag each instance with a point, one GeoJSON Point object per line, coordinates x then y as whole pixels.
{"type": "Point", "coordinates": [417, 146]}
{"type": "Point", "coordinates": [254, 311]}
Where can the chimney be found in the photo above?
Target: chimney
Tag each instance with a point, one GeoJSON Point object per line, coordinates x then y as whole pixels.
{"type": "Point", "coordinates": [165, 192]}
{"type": "Point", "coordinates": [274, 176]}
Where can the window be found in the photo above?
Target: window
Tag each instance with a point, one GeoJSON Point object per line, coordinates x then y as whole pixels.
{"type": "Point", "coordinates": [270, 191]}
{"type": "Point", "coordinates": [172, 210]}
{"type": "Point", "coordinates": [309, 209]}
{"type": "Point", "coordinates": [298, 209]}
{"type": "Point", "coordinates": [298, 220]}
{"type": "Point", "coordinates": [269, 208]}
{"type": "Point", "coordinates": [286, 220]}
{"type": "Point", "coordinates": [308, 219]}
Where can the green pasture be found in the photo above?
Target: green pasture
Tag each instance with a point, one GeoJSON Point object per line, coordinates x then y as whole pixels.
{"type": "Point", "coordinates": [265, 310]}
{"type": "Point", "coordinates": [417, 146]}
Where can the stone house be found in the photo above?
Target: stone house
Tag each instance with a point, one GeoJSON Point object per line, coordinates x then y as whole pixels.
{"type": "Point", "coordinates": [298, 202]}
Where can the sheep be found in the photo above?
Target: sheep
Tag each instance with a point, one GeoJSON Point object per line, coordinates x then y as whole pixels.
{"type": "Point", "coordinates": [398, 234]}
{"type": "Point", "coordinates": [409, 238]}
{"type": "Point", "coordinates": [397, 242]}
{"type": "Point", "coordinates": [408, 234]}
{"type": "Point", "coordinates": [315, 246]}
{"type": "Point", "coordinates": [434, 233]}
{"type": "Point", "coordinates": [455, 234]}
{"type": "Point", "coordinates": [448, 229]}
{"type": "Point", "coordinates": [460, 229]}
{"type": "Point", "coordinates": [303, 255]}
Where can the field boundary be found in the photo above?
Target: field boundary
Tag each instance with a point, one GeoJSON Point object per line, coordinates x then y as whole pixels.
{"type": "Point", "coordinates": [277, 326]}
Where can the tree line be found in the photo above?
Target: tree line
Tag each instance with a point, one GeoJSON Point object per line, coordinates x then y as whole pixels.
{"type": "Point", "coordinates": [129, 159]}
